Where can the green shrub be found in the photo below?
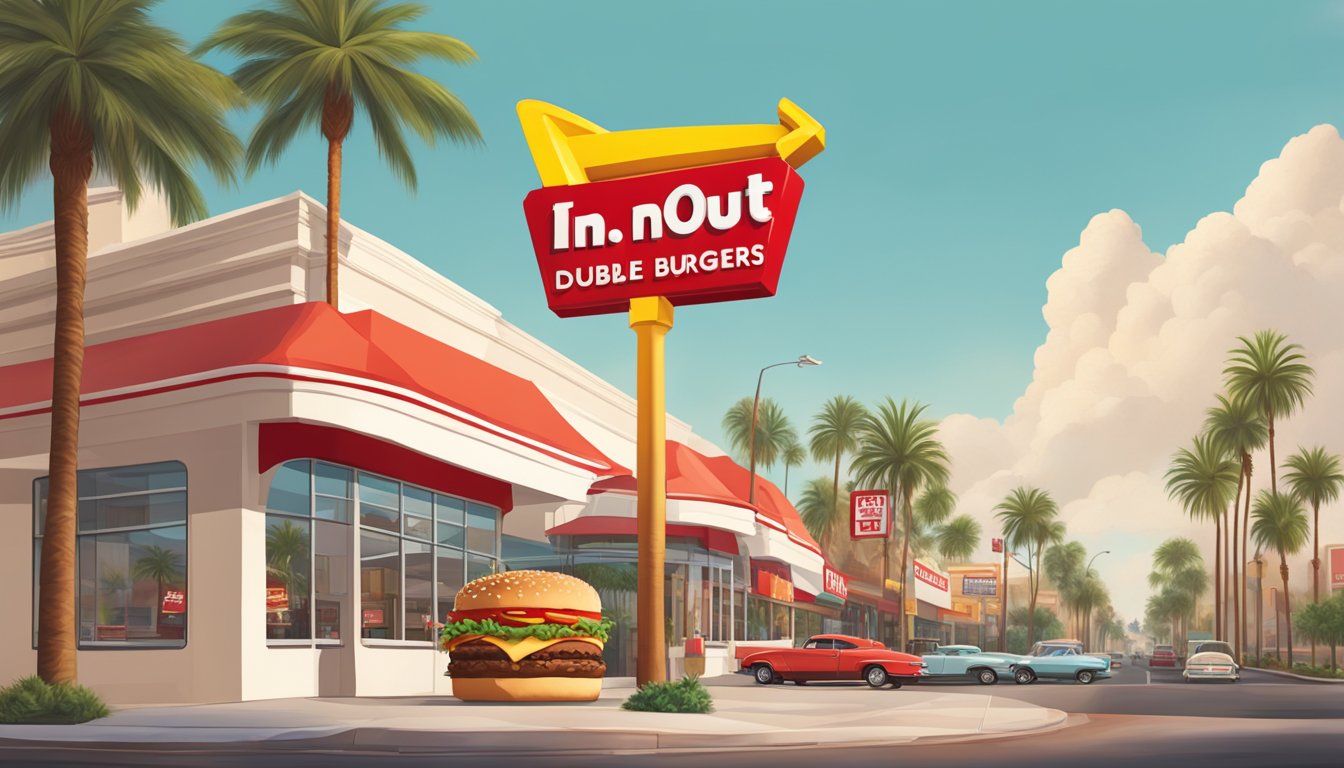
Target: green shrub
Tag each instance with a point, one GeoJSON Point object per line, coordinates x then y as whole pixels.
{"type": "Point", "coordinates": [30, 700]}
{"type": "Point", "coordinates": [686, 695]}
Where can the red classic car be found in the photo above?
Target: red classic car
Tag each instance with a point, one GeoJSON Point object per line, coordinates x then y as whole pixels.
{"type": "Point", "coordinates": [1163, 656]}
{"type": "Point", "coordinates": [835, 657]}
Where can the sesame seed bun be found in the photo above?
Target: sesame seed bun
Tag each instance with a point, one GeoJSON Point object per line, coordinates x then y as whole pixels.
{"type": "Point", "coordinates": [528, 589]}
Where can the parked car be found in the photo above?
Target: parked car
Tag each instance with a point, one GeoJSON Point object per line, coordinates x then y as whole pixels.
{"type": "Point", "coordinates": [1211, 665]}
{"type": "Point", "coordinates": [1195, 647]}
{"type": "Point", "coordinates": [1117, 659]}
{"type": "Point", "coordinates": [921, 646]}
{"type": "Point", "coordinates": [961, 661]}
{"type": "Point", "coordinates": [1060, 662]}
{"type": "Point", "coordinates": [1163, 656]}
{"type": "Point", "coordinates": [835, 657]}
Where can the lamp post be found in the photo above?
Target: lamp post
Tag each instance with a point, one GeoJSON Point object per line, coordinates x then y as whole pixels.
{"type": "Point", "coordinates": [1088, 570]}
{"type": "Point", "coordinates": [803, 361]}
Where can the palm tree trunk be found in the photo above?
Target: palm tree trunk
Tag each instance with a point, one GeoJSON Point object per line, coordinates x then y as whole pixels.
{"type": "Point", "coordinates": [337, 113]}
{"type": "Point", "coordinates": [71, 165]}
{"type": "Point", "coordinates": [1315, 564]}
{"type": "Point", "coordinates": [1218, 577]}
{"type": "Point", "coordinates": [1273, 462]}
{"type": "Point", "coordinates": [1003, 603]}
{"type": "Point", "coordinates": [1033, 578]}
{"type": "Point", "coordinates": [1287, 606]}
{"type": "Point", "coordinates": [907, 510]}
{"type": "Point", "coordinates": [1248, 467]}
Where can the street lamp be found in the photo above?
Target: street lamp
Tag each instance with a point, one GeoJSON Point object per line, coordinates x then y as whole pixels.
{"type": "Point", "coordinates": [1089, 570]}
{"type": "Point", "coordinates": [803, 361]}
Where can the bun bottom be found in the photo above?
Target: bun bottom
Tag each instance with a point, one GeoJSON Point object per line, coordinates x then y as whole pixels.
{"type": "Point", "coordinates": [527, 688]}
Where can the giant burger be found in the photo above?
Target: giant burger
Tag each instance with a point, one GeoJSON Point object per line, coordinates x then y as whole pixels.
{"type": "Point", "coordinates": [526, 636]}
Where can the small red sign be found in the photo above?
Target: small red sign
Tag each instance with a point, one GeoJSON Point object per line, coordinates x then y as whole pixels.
{"type": "Point", "coordinates": [277, 599]}
{"type": "Point", "coordinates": [834, 582]}
{"type": "Point", "coordinates": [174, 601]}
{"type": "Point", "coordinates": [997, 544]}
{"type": "Point", "coordinates": [1336, 559]}
{"type": "Point", "coordinates": [694, 236]}
{"type": "Point", "coordinates": [373, 617]}
{"type": "Point", "coordinates": [869, 514]}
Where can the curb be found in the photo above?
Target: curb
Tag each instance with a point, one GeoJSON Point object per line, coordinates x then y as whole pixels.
{"type": "Point", "coordinates": [1283, 673]}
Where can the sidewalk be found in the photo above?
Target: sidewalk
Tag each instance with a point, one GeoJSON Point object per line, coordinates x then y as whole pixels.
{"type": "Point", "coordinates": [743, 717]}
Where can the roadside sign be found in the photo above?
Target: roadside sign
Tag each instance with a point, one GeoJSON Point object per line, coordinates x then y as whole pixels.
{"type": "Point", "coordinates": [1335, 557]}
{"type": "Point", "coordinates": [979, 586]}
{"type": "Point", "coordinates": [869, 515]}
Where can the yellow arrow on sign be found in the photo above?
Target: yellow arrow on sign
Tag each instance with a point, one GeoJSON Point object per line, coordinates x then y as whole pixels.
{"type": "Point", "coordinates": [569, 149]}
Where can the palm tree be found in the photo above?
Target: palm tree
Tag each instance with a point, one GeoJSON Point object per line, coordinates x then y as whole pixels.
{"type": "Point", "coordinates": [1028, 516]}
{"type": "Point", "coordinates": [160, 565]}
{"type": "Point", "coordinates": [287, 555]}
{"type": "Point", "coordinates": [1090, 595]}
{"type": "Point", "coordinates": [823, 512]}
{"type": "Point", "coordinates": [899, 450]}
{"type": "Point", "coordinates": [934, 506]}
{"type": "Point", "coordinates": [84, 82]}
{"type": "Point", "coordinates": [1315, 476]}
{"type": "Point", "coordinates": [1270, 373]}
{"type": "Point", "coordinates": [835, 432]}
{"type": "Point", "coordinates": [1238, 425]}
{"type": "Point", "coordinates": [773, 430]}
{"type": "Point", "coordinates": [1063, 564]}
{"type": "Point", "coordinates": [1202, 480]}
{"type": "Point", "coordinates": [1280, 523]}
{"type": "Point", "coordinates": [793, 455]}
{"type": "Point", "coordinates": [316, 61]}
{"type": "Point", "coordinates": [1178, 571]}
{"type": "Point", "coordinates": [959, 538]}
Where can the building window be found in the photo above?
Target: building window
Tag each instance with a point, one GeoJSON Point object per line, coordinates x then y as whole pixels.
{"type": "Point", "coordinates": [131, 555]}
{"type": "Point", "coordinates": [307, 551]}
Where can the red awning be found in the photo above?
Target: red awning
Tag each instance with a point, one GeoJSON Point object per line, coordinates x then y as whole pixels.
{"type": "Point", "coordinates": [694, 476]}
{"type": "Point", "coordinates": [313, 342]}
{"type": "Point", "coordinates": [592, 525]}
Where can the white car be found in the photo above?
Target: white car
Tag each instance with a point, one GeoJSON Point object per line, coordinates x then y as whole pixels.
{"type": "Point", "coordinates": [1211, 666]}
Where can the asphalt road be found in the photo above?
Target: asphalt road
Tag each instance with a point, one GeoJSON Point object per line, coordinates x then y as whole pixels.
{"type": "Point", "coordinates": [1137, 690]}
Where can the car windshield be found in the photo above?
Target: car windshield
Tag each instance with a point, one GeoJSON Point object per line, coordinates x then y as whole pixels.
{"type": "Point", "coordinates": [1214, 647]}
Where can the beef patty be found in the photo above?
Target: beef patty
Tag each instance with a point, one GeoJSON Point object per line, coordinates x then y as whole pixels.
{"type": "Point", "coordinates": [571, 658]}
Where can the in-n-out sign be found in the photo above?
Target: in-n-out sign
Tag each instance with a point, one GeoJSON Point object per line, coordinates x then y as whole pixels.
{"type": "Point", "coordinates": [834, 582]}
{"type": "Point", "coordinates": [699, 235]}
{"type": "Point", "coordinates": [868, 515]}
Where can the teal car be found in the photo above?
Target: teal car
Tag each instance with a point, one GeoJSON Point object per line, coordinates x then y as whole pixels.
{"type": "Point", "coordinates": [1060, 662]}
{"type": "Point", "coordinates": [968, 661]}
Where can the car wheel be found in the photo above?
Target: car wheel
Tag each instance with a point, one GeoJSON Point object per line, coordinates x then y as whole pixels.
{"type": "Point", "coordinates": [1024, 677]}
{"type": "Point", "coordinates": [987, 676]}
{"type": "Point", "coordinates": [875, 676]}
{"type": "Point", "coordinates": [1085, 676]}
{"type": "Point", "coordinates": [763, 674]}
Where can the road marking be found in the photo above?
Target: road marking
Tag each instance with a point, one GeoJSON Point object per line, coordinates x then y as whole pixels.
{"type": "Point", "coordinates": [1148, 675]}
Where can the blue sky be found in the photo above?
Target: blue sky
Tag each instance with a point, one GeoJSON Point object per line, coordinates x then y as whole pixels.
{"type": "Point", "coordinates": [969, 143]}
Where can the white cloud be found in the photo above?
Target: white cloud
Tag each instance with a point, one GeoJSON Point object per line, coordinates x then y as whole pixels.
{"type": "Point", "coordinates": [1135, 351]}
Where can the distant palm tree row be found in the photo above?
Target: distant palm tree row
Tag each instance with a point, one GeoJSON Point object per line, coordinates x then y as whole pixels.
{"type": "Point", "coordinates": [85, 83]}
{"type": "Point", "coordinates": [1267, 379]}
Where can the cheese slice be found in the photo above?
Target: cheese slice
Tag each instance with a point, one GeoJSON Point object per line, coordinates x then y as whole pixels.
{"type": "Point", "coordinates": [518, 649]}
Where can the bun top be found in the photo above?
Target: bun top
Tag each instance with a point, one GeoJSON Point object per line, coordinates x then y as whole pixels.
{"type": "Point", "coordinates": [528, 589]}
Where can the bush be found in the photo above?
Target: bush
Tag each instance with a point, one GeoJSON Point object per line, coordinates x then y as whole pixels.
{"type": "Point", "coordinates": [30, 700]}
{"type": "Point", "coordinates": [686, 695]}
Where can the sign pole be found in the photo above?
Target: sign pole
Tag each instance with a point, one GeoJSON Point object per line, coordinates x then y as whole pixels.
{"type": "Point", "coordinates": [651, 319]}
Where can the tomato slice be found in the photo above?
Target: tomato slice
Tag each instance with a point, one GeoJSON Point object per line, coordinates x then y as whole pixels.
{"type": "Point", "coordinates": [523, 617]}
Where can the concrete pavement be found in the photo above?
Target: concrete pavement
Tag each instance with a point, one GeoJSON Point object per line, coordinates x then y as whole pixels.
{"type": "Point", "coordinates": [746, 717]}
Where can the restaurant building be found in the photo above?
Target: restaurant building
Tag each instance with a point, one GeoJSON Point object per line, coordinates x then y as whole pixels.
{"type": "Point", "coordinates": [277, 499]}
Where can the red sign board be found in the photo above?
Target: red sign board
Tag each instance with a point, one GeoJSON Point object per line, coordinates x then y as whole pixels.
{"type": "Point", "coordinates": [931, 577]}
{"type": "Point", "coordinates": [997, 544]}
{"type": "Point", "coordinates": [694, 236]}
{"type": "Point", "coordinates": [1336, 559]}
{"type": "Point", "coordinates": [174, 601]}
{"type": "Point", "coordinates": [774, 586]}
{"type": "Point", "coordinates": [373, 617]}
{"type": "Point", "coordinates": [277, 599]}
{"type": "Point", "coordinates": [868, 514]}
{"type": "Point", "coordinates": [834, 582]}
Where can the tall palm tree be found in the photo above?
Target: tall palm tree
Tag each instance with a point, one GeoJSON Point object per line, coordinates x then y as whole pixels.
{"type": "Point", "coordinates": [1178, 570]}
{"type": "Point", "coordinates": [824, 513]}
{"type": "Point", "coordinates": [1269, 372]}
{"type": "Point", "coordinates": [934, 506]}
{"type": "Point", "coordinates": [1238, 425]}
{"type": "Point", "coordinates": [899, 450]}
{"type": "Point", "coordinates": [1315, 476]}
{"type": "Point", "coordinates": [1280, 523]}
{"type": "Point", "coordinates": [1202, 479]}
{"type": "Point", "coordinates": [793, 455]}
{"type": "Point", "coordinates": [835, 432]}
{"type": "Point", "coordinates": [84, 82]}
{"type": "Point", "coordinates": [1090, 594]}
{"type": "Point", "coordinates": [1029, 521]}
{"type": "Point", "coordinates": [316, 61]}
{"type": "Point", "coordinates": [160, 565]}
{"type": "Point", "coordinates": [958, 539]}
{"type": "Point", "coordinates": [773, 430]}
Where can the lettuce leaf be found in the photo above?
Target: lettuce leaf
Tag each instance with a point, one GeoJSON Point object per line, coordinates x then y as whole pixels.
{"type": "Point", "coordinates": [584, 628]}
